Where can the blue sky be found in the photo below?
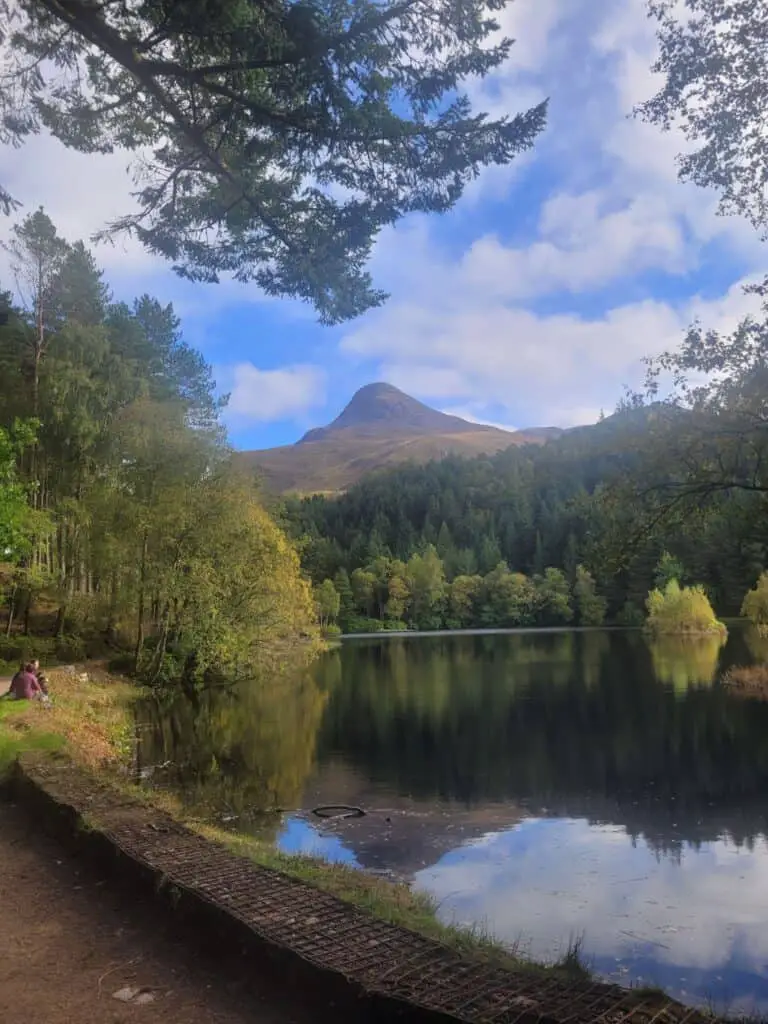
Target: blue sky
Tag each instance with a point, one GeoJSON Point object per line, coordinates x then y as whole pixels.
{"type": "Point", "coordinates": [531, 304]}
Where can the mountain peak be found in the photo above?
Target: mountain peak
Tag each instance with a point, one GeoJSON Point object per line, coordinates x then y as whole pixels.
{"type": "Point", "coordinates": [374, 403]}
{"type": "Point", "coordinates": [379, 407]}
{"type": "Point", "coordinates": [380, 426]}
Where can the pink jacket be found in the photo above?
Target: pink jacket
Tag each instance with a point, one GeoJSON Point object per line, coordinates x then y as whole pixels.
{"type": "Point", "coordinates": [25, 686]}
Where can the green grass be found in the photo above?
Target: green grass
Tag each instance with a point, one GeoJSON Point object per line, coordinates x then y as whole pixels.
{"type": "Point", "coordinates": [88, 719]}
{"type": "Point", "coordinates": [572, 962]}
{"type": "Point", "coordinates": [648, 991]}
{"type": "Point", "coordinates": [17, 736]}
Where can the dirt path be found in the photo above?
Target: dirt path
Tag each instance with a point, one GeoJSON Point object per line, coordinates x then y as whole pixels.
{"type": "Point", "coordinates": [69, 941]}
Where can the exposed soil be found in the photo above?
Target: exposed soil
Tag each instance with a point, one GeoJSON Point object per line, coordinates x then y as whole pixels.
{"type": "Point", "coordinates": [71, 939]}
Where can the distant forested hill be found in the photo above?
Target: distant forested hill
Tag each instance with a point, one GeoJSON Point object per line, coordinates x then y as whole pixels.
{"type": "Point", "coordinates": [556, 506]}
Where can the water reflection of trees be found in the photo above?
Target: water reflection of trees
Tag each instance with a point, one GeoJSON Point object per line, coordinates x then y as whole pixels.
{"type": "Point", "coordinates": [246, 749]}
{"type": "Point", "coordinates": [593, 725]}
{"type": "Point", "coordinates": [579, 724]}
{"type": "Point", "coordinates": [683, 661]}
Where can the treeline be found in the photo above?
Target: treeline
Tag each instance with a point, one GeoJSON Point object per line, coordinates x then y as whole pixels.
{"type": "Point", "coordinates": [573, 502]}
{"type": "Point", "coordinates": [121, 520]}
{"type": "Point", "coordinates": [390, 594]}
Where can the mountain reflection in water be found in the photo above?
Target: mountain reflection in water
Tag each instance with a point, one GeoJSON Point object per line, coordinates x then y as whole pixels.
{"type": "Point", "coordinates": [545, 786]}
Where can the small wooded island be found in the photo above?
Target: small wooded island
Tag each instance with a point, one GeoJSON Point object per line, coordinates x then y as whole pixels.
{"type": "Point", "coordinates": [682, 611]}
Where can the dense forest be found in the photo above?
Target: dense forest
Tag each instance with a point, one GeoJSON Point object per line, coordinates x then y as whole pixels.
{"type": "Point", "coordinates": [120, 516]}
{"type": "Point", "coordinates": [122, 523]}
{"type": "Point", "coordinates": [577, 531]}
{"type": "Point", "coordinates": [678, 478]}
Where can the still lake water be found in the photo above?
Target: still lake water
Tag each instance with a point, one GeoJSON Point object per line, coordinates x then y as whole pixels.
{"type": "Point", "coordinates": [545, 786]}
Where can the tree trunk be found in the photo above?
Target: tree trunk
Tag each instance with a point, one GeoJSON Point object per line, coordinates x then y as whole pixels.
{"type": "Point", "coordinates": [110, 629]}
{"type": "Point", "coordinates": [162, 646]}
{"type": "Point", "coordinates": [39, 340]}
{"type": "Point", "coordinates": [140, 610]}
{"type": "Point", "coordinates": [11, 610]}
{"type": "Point", "coordinates": [37, 356]}
{"type": "Point", "coordinates": [61, 618]}
{"type": "Point", "coordinates": [27, 610]}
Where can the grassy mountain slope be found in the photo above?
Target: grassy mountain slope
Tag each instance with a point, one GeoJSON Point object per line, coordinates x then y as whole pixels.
{"type": "Point", "coordinates": [379, 428]}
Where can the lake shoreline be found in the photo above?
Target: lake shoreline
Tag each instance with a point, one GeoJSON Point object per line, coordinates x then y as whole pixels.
{"type": "Point", "coordinates": [615, 755]}
{"type": "Point", "coordinates": [90, 725]}
{"type": "Point", "coordinates": [309, 934]}
{"type": "Point", "coordinates": [511, 631]}
{"type": "Point", "coordinates": [543, 678]}
{"type": "Point", "coordinates": [384, 634]}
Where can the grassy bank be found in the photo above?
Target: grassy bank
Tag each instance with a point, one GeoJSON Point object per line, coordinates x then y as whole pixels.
{"type": "Point", "coordinates": [17, 735]}
{"type": "Point", "coordinates": [90, 722]}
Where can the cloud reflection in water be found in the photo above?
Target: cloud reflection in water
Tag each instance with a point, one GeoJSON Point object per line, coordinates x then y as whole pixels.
{"type": "Point", "coordinates": [697, 925]}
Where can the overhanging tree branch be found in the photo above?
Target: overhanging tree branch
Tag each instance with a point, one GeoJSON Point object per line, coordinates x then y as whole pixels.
{"type": "Point", "coordinates": [297, 131]}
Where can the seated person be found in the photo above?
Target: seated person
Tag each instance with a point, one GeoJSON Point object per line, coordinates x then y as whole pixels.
{"type": "Point", "coordinates": [24, 685]}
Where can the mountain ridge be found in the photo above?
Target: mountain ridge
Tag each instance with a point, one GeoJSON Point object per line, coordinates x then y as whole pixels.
{"type": "Point", "coordinates": [379, 427]}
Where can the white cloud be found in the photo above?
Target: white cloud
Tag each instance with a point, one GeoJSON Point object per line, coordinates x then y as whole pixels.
{"type": "Point", "coordinates": [556, 370]}
{"type": "Point", "coordinates": [435, 381]}
{"type": "Point", "coordinates": [585, 242]}
{"type": "Point", "coordinates": [468, 412]}
{"type": "Point", "coordinates": [468, 327]}
{"type": "Point", "coordinates": [531, 23]}
{"type": "Point", "coordinates": [266, 395]}
{"type": "Point", "coordinates": [583, 246]}
{"type": "Point", "coordinates": [645, 156]}
{"type": "Point", "coordinates": [593, 58]}
{"type": "Point", "coordinates": [82, 193]}
{"type": "Point", "coordinates": [705, 912]}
